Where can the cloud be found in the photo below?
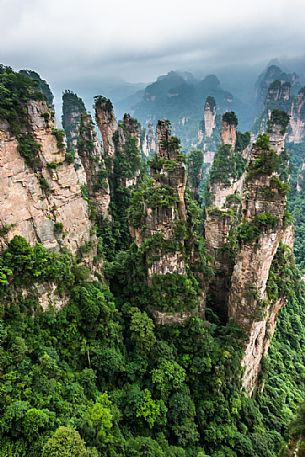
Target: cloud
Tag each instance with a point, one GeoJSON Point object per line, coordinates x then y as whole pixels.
{"type": "Point", "coordinates": [69, 41]}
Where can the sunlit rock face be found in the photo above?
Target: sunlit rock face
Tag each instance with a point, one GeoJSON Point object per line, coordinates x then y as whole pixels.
{"type": "Point", "coordinates": [43, 205]}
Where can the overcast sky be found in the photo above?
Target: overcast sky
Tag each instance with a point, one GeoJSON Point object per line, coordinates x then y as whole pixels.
{"type": "Point", "coordinates": [136, 40]}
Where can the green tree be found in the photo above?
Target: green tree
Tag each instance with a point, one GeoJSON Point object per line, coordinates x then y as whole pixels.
{"type": "Point", "coordinates": [141, 446]}
{"type": "Point", "coordinates": [99, 418]}
{"type": "Point", "coordinates": [169, 376]}
{"type": "Point", "coordinates": [152, 410]}
{"type": "Point", "coordinates": [65, 442]}
{"type": "Point", "coordinates": [142, 330]}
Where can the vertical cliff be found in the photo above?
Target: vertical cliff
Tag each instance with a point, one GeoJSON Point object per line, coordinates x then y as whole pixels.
{"type": "Point", "coordinates": [263, 228]}
{"type": "Point", "coordinates": [274, 75]}
{"type": "Point", "coordinates": [72, 107]}
{"type": "Point", "coordinates": [127, 160]}
{"type": "Point", "coordinates": [280, 96]}
{"type": "Point", "coordinates": [209, 119]}
{"type": "Point", "coordinates": [296, 132]}
{"type": "Point", "coordinates": [161, 223]}
{"type": "Point", "coordinates": [107, 123]}
{"type": "Point", "coordinates": [228, 129]}
{"type": "Point", "coordinates": [208, 134]}
{"type": "Point", "coordinates": [40, 195]}
{"type": "Point", "coordinates": [245, 225]}
{"type": "Point", "coordinates": [148, 141]}
{"type": "Point", "coordinates": [122, 148]}
{"type": "Point", "coordinates": [223, 211]}
{"type": "Point", "coordinates": [85, 151]}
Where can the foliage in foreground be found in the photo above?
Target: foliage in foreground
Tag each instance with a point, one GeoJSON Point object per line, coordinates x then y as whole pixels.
{"type": "Point", "coordinates": [105, 381]}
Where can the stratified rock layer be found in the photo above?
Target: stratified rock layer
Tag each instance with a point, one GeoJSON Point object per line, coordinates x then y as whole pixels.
{"type": "Point", "coordinates": [29, 210]}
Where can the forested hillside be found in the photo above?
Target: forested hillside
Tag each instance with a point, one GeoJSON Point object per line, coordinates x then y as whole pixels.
{"type": "Point", "coordinates": [126, 327]}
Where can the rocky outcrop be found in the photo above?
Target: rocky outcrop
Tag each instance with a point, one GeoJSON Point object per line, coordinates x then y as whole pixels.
{"type": "Point", "coordinates": [223, 211]}
{"type": "Point", "coordinates": [228, 129]}
{"type": "Point", "coordinates": [168, 176]}
{"type": "Point", "coordinates": [159, 224]}
{"type": "Point", "coordinates": [91, 156]}
{"type": "Point", "coordinates": [121, 143]}
{"type": "Point", "coordinates": [262, 230]}
{"type": "Point", "coordinates": [279, 96]}
{"type": "Point", "coordinates": [226, 175]}
{"type": "Point", "coordinates": [209, 119]}
{"type": "Point", "coordinates": [208, 135]}
{"type": "Point", "coordinates": [42, 85]}
{"type": "Point", "coordinates": [245, 225]}
{"type": "Point", "coordinates": [107, 123]}
{"type": "Point", "coordinates": [83, 144]}
{"type": "Point", "coordinates": [271, 75]}
{"type": "Point", "coordinates": [296, 132]}
{"type": "Point", "coordinates": [43, 204]}
{"type": "Point", "coordinates": [122, 148]}
{"type": "Point", "coordinates": [148, 143]}
{"type": "Point", "coordinates": [175, 178]}
{"type": "Point", "coordinates": [278, 91]}
{"type": "Point", "coordinates": [73, 107]}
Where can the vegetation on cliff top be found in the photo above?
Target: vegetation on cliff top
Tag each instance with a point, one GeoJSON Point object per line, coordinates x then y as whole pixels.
{"type": "Point", "coordinates": [99, 378]}
{"type": "Point", "coordinates": [278, 117]}
{"type": "Point", "coordinates": [230, 118]}
{"type": "Point", "coordinates": [228, 165]}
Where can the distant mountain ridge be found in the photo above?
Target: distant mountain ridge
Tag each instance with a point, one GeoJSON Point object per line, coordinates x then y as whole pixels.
{"type": "Point", "coordinates": [179, 97]}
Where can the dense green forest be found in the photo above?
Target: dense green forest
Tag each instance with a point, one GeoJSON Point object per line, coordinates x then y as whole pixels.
{"type": "Point", "coordinates": [100, 378]}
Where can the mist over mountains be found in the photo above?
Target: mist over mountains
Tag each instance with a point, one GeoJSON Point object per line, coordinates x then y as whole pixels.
{"type": "Point", "coordinates": [178, 94]}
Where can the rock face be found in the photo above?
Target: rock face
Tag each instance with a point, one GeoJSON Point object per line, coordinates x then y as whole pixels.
{"type": "Point", "coordinates": [82, 141]}
{"type": "Point", "coordinates": [208, 135]}
{"type": "Point", "coordinates": [122, 150]}
{"type": "Point", "coordinates": [278, 91]}
{"type": "Point", "coordinates": [148, 143]}
{"type": "Point", "coordinates": [43, 205]}
{"type": "Point", "coordinates": [268, 77]}
{"type": "Point", "coordinates": [160, 221]}
{"type": "Point", "coordinates": [296, 133]}
{"type": "Point", "coordinates": [209, 117]}
{"type": "Point", "coordinates": [263, 202]}
{"type": "Point", "coordinates": [127, 141]}
{"type": "Point", "coordinates": [107, 123]}
{"type": "Point", "coordinates": [73, 107]}
{"type": "Point", "coordinates": [223, 211]}
{"type": "Point", "coordinates": [280, 96]}
{"type": "Point", "coordinates": [244, 227]}
{"type": "Point", "coordinates": [168, 149]}
{"type": "Point", "coordinates": [228, 129]}
{"type": "Point", "coordinates": [121, 143]}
